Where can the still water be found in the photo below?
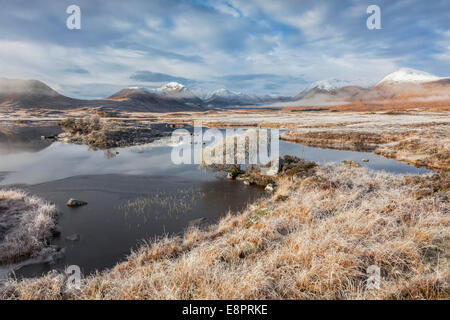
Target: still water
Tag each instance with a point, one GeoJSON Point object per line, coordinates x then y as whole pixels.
{"type": "Point", "coordinates": [136, 193]}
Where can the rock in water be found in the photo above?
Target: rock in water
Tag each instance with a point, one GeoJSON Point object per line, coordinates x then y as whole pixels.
{"type": "Point", "coordinates": [365, 160]}
{"type": "Point", "coordinates": [76, 203]}
{"type": "Point", "coordinates": [73, 237]}
{"type": "Point", "coordinates": [351, 163]}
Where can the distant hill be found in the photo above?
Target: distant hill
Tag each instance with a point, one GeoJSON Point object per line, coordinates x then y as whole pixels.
{"type": "Point", "coordinates": [402, 87]}
{"type": "Point", "coordinates": [226, 98]}
{"type": "Point", "coordinates": [30, 94]}
{"type": "Point", "coordinates": [34, 94]}
{"type": "Point", "coordinates": [141, 100]}
{"type": "Point", "coordinates": [405, 87]}
{"type": "Point", "coordinates": [179, 92]}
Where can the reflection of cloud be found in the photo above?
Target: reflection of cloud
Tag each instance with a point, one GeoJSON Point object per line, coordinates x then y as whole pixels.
{"type": "Point", "coordinates": [61, 161]}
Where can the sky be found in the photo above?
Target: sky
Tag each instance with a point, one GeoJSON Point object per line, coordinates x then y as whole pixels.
{"type": "Point", "coordinates": [259, 47]}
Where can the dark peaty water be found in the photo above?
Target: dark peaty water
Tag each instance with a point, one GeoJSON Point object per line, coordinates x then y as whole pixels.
{"type": "Point", "coordinates": [137, 193]}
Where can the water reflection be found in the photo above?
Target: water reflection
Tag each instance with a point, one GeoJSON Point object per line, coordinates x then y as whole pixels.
{"type": "Point", "coordinates": [137, 193]}
{"type": "Point", "coordinates": [60, 161]}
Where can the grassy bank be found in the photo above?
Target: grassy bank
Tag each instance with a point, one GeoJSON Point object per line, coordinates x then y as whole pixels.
{"type": "Point", "coordinates": [424, 144]}
{"type": "Point", "coordinates": [314, 238]}
{"type": "Point", "coordinates": [26, 223]}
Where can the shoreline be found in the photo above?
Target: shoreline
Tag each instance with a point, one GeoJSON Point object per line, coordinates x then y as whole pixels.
{"type": "Point", "coordinates": [313, 203]}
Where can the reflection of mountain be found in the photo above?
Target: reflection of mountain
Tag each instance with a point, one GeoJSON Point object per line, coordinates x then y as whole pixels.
{"type": "Point", "coordinates": [17, 139]}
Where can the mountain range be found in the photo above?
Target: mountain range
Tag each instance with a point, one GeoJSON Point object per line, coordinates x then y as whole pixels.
{"type": "Point", "coordinates": [405, 86]}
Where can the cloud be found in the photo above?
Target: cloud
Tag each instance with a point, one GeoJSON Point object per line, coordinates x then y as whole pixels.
{"type": "Point", "coordinates": [149, 76]}
{"type": "Point", "coordinates": [76, 70]}
{"type": "Point", "coordinates": [260, 46]}
{"type": "Point", "coordinates": [260, 76]}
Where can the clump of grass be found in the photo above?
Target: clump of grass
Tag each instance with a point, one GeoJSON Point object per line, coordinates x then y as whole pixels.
{"type": "Point", "coordinates": [315, 244]}
{"type": "Point", "coordinates": [26, 224]}
{"type": "Point", "coordinates": [289, 166]}
{"type": "Point", "coordinates": [163, 204]}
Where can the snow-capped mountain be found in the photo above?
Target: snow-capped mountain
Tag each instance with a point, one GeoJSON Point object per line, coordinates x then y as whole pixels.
{"type": "Point", "coordinates": [333, 84]}
{"type": "Point", "coordinates": [178, 91]}
{"type": "Point", "coordinates": [404, 86]}
{"type": "Point", "coordinates": [408, 75]}
{"type": "Point", "coordinates": [175, 90]}
{"type": "Point", "coordinates": [225, 93]}
{"type": "Point", "coordinates": [329, 84]}
{"type": "Point", "coordinates": [142, 100]}
{"type": "Point", "coordinates": [225, 97]}
{"type": "Point", "coordinates": [332, 87]}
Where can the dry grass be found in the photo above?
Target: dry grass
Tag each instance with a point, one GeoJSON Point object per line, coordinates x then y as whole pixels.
{"type": "Point", "coordinates": [424, 144]}
{"type": "Point", "coordinates": [314, 239]}
{"type": "Point", "coordinates": [359, 141]}
{"type": "Point", "coordinates": [317, 234]}
{"type": "Point", "coordinates": [26, 223]}
{"type": "Point", "coordinates": [109, 133]}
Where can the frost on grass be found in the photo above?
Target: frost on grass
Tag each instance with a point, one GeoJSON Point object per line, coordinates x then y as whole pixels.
{"type": "Point", "coordinates": [26, 224]}
{"type": "Point", "coordinates": [313, 239]}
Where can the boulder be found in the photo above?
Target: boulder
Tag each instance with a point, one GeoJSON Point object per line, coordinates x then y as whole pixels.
{"type": "Point", "coordinates": [365, 160]}
{"type": "Point", "coordinates": [76, 203]}
{"type": "Point", "coordinates": [73, 237]}
{"type": "Point", "coordinates": [270, 187]}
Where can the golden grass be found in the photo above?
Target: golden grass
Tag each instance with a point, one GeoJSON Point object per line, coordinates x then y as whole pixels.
{"type": "Point", "coordinates": [424, 144]}
{"type": "Point", "coordinates": [314, 239]}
